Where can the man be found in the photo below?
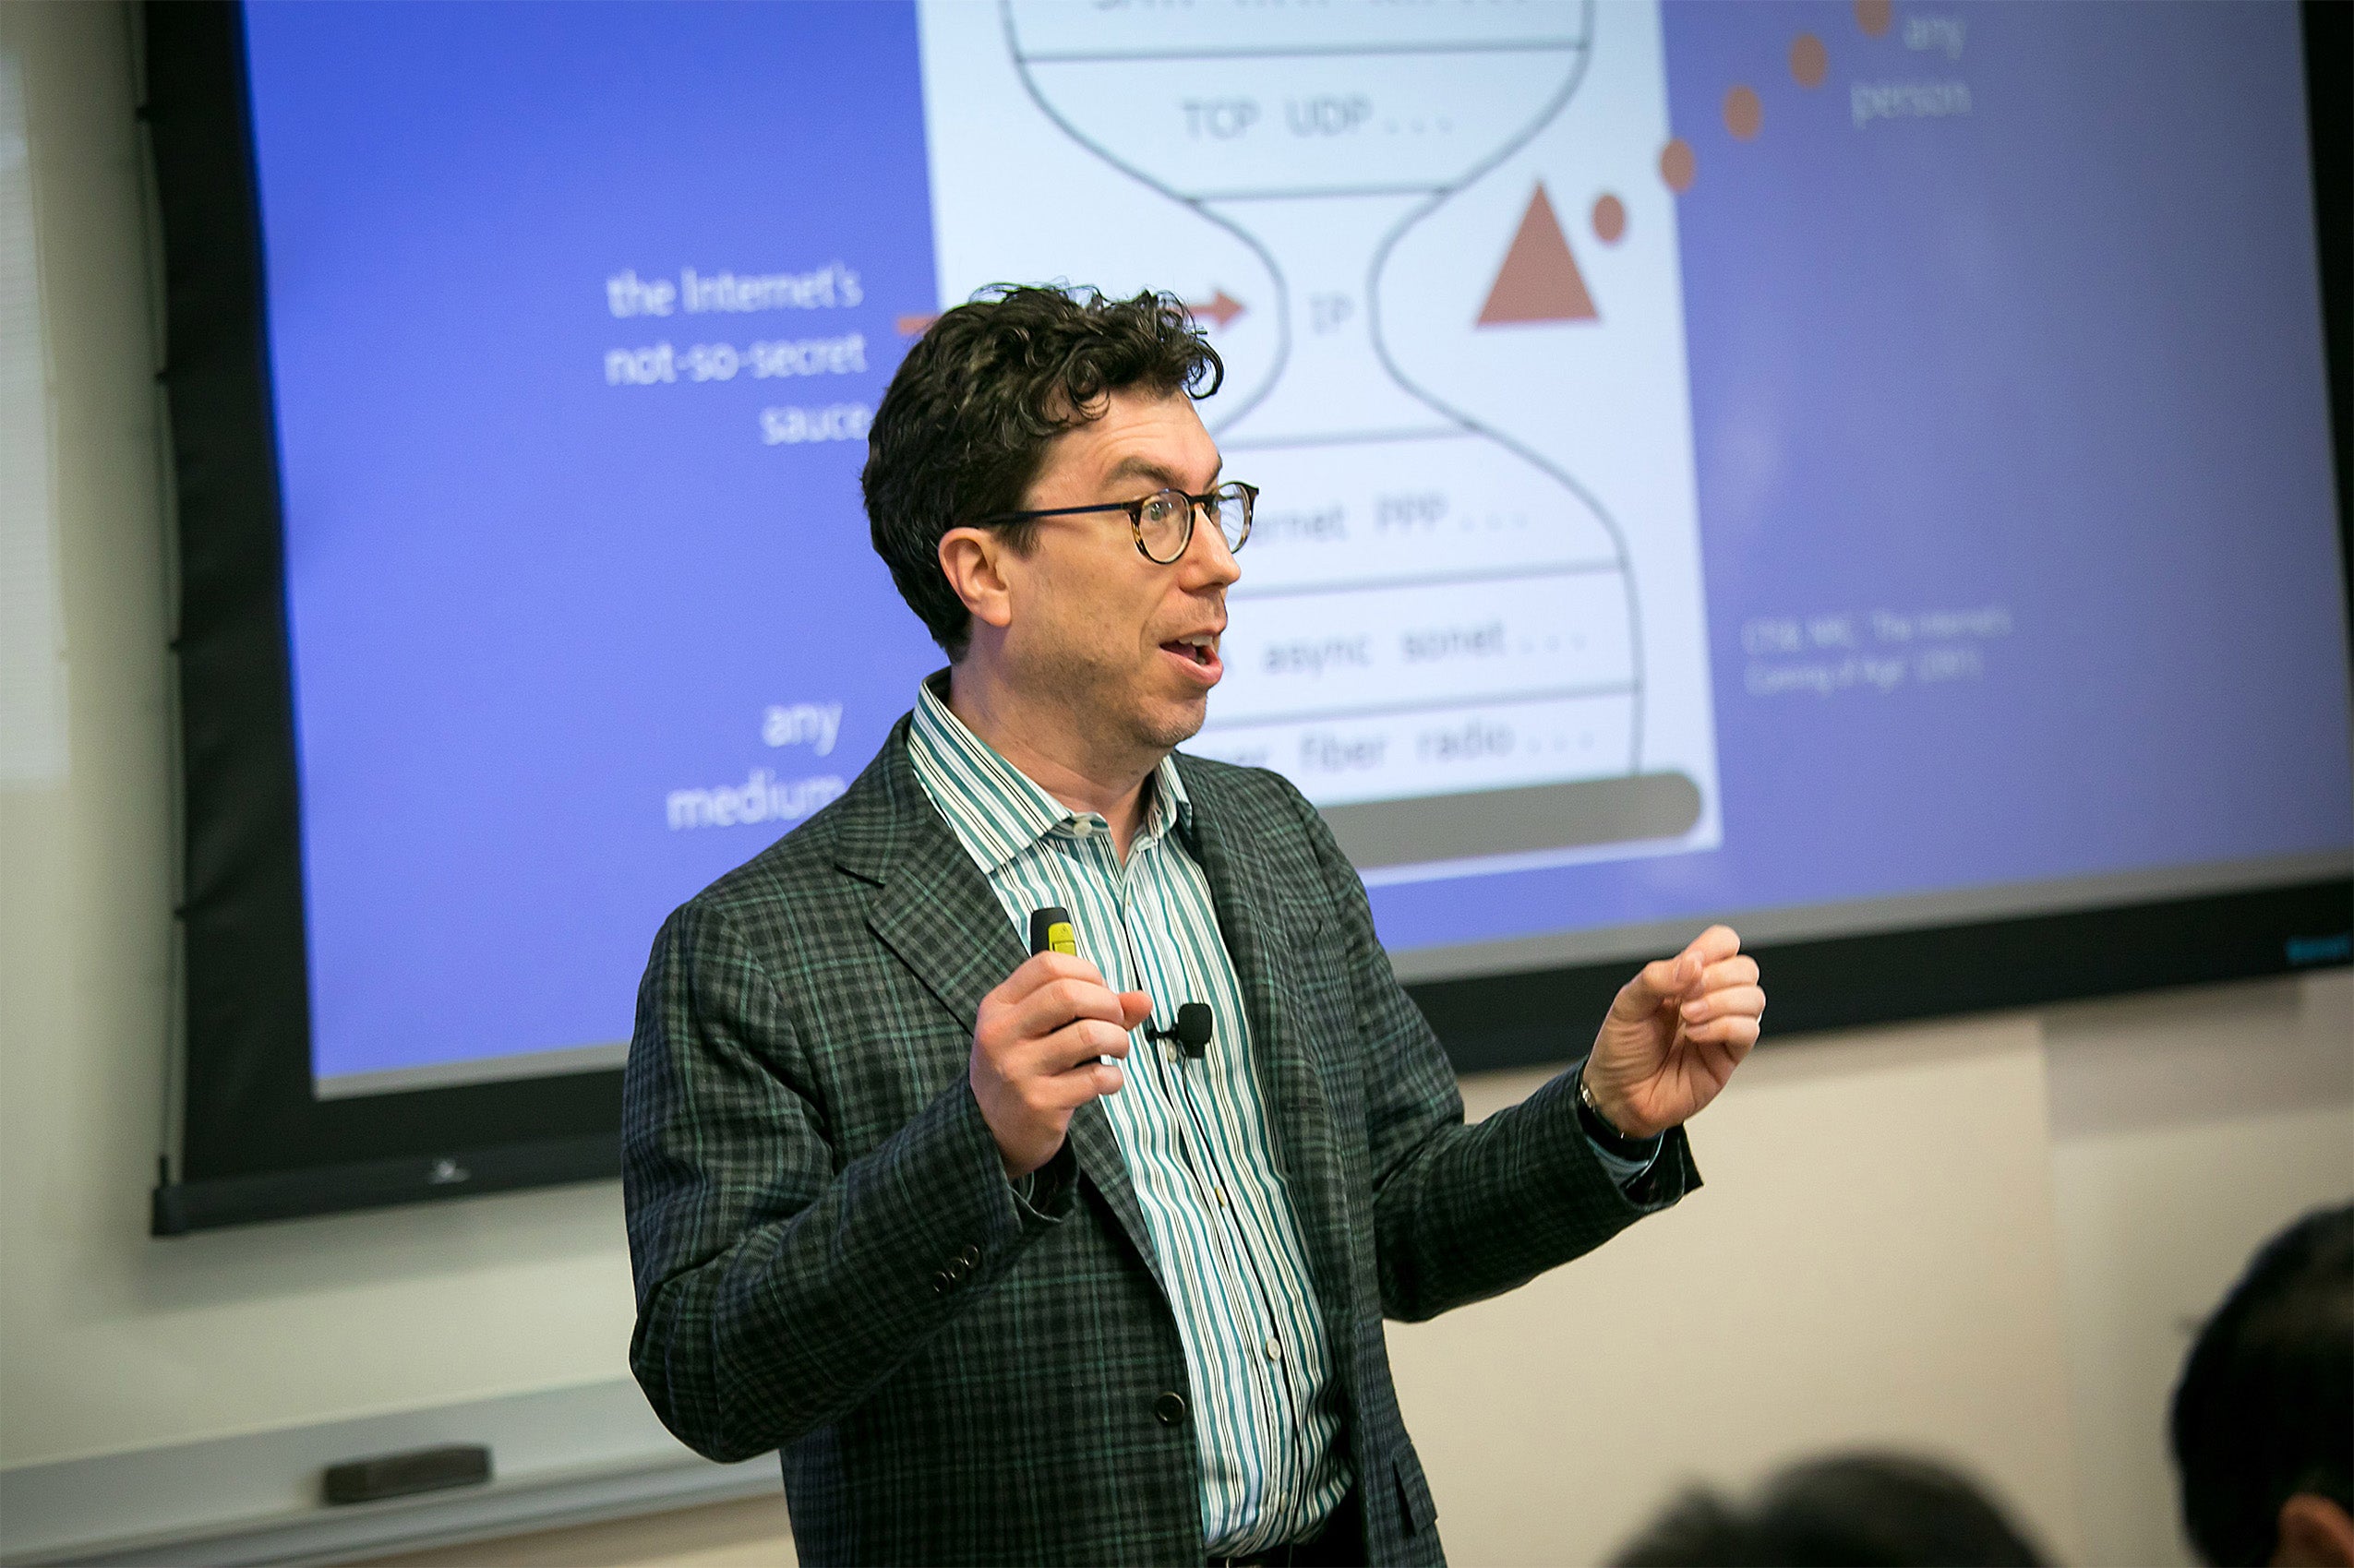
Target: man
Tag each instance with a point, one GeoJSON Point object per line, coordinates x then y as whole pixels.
{"type": "Point", "coordinates": [1008, 1269]}
{"type": "Point", "coordinates": [2263, 1417]}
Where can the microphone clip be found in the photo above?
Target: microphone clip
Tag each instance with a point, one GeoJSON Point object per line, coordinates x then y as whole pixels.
{"type": "Point", "coordinates": [1194, 1024]}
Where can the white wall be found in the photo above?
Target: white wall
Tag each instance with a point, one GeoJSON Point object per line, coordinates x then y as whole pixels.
{"type": "Point", "coordinates": [1985, 1237]}
{"type": "Point", "coordinates": [2188, 1128]}
{"type": "Point", "coordinates": [1990, 1239]}
{"type": "Point", "coordinates": [1872, 1262]}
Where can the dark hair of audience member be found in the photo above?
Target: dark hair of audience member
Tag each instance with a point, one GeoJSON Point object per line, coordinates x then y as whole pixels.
{"type": "Point", "coordinates": [2263, 1417]}
{"type": "Point", "coordinates": [1851, 1510]}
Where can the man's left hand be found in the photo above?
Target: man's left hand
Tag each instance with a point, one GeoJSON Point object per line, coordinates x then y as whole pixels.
{"type": "Point", "coordinates": [1674, 1035]}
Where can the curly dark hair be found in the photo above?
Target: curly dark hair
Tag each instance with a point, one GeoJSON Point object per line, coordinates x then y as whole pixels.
{"type": "Point", "coordinates": [964, 425]}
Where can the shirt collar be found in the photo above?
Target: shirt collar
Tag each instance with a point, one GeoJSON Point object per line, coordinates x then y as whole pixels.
{"type": "Point", "coordinates": [995, 810]}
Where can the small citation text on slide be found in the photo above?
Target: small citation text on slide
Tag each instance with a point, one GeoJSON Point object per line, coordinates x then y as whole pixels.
{"type": "Point", "coordinates": [1823, 655]}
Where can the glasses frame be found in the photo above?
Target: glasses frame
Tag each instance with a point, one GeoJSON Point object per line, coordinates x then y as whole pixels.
{"type": "Point", "coordinates": [1135, 511]}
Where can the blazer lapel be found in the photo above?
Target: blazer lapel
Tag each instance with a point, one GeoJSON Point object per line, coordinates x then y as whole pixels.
{"type": "Point", "coordinates": [1259, 936]}
{"type": "Point", "coordinates": [1097, 1147]}
{"type": "Point", "coordinates": [938, 916]}
{"type": "Point", "coordinates": [935, 911]}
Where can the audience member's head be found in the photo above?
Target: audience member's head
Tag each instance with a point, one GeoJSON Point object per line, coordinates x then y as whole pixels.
{"type": "Point", "coordinates": [1885, 1511]}
{"type": "Point", "coordinates": [2263, 1417]}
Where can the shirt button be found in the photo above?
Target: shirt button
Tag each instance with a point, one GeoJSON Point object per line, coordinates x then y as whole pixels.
{"type": "Point", "coordinates": [1169, 1409]}
{"type": "Point", "coordinates": [1274, 1349]}
{"type": "Point", "coordinates": [1221, 1196]}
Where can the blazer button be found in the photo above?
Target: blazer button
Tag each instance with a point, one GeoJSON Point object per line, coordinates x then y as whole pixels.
{"type": "Point", "coordinates": [971, 1257]}
{"type": "Point", "coordinates": [941, 1282]}
{"type": "Point", "coordinates": [1170, 1408]}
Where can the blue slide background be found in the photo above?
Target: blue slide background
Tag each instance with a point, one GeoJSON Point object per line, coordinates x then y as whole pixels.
{"type": "Point", "coordinates": [525, 605]}
{"type": "Point", "coordinates": [2060, 356]}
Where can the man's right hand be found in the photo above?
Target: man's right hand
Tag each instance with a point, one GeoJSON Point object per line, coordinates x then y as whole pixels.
{"type": "Point", "coordinates": [1035, 1049]}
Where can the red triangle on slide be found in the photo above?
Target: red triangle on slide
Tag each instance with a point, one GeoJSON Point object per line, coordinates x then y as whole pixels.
{"type": "Point", "coordinates": [1539, 280]}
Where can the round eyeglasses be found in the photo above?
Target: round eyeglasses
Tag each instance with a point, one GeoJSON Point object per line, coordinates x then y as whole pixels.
{"type": "Point", "coordinates": [1163, 522]}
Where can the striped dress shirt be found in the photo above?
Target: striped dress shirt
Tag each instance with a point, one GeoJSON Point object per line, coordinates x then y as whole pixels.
{"type": "Point", "coordinates": [1192, 1130]}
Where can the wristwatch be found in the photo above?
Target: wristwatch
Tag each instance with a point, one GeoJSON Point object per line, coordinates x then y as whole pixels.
{"type": "Point", "coordinates": [1598, 1127]}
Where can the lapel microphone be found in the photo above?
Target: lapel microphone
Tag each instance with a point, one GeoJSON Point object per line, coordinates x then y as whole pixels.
{"type": "Point", "coordinates": [1191, 1034]}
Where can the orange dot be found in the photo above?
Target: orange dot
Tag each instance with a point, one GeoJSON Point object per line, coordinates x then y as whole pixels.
{"type": "Point", "coordinates": [1677, 166]}
{"type": "Point", "coordinates": [1610, 217]}
{"type": "Point", "coordinates": [1873, 16]}
{"type": "Point", "coordinates": [1743, 112]}
{"type": "Point", "coordinates": [1810, 61]}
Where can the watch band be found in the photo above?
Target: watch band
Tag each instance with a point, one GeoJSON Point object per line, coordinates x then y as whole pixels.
{"type": "Point", "coordinates": [1597, 1127]}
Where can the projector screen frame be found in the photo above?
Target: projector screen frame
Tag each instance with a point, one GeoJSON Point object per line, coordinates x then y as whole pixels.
{"type": "Point", "coordinates": [254, 1143]}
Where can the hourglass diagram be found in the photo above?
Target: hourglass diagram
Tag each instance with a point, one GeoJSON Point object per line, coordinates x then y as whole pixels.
{"type": "Point", "coordinates": [1429, 610]}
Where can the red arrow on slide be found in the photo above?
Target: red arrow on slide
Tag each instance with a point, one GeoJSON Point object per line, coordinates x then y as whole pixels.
{"type": "Point", "coordinates": [1221, 310]}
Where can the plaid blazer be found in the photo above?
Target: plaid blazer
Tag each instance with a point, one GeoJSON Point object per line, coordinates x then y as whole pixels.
{"type": "Point", "coordinates": [830, 1261]}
